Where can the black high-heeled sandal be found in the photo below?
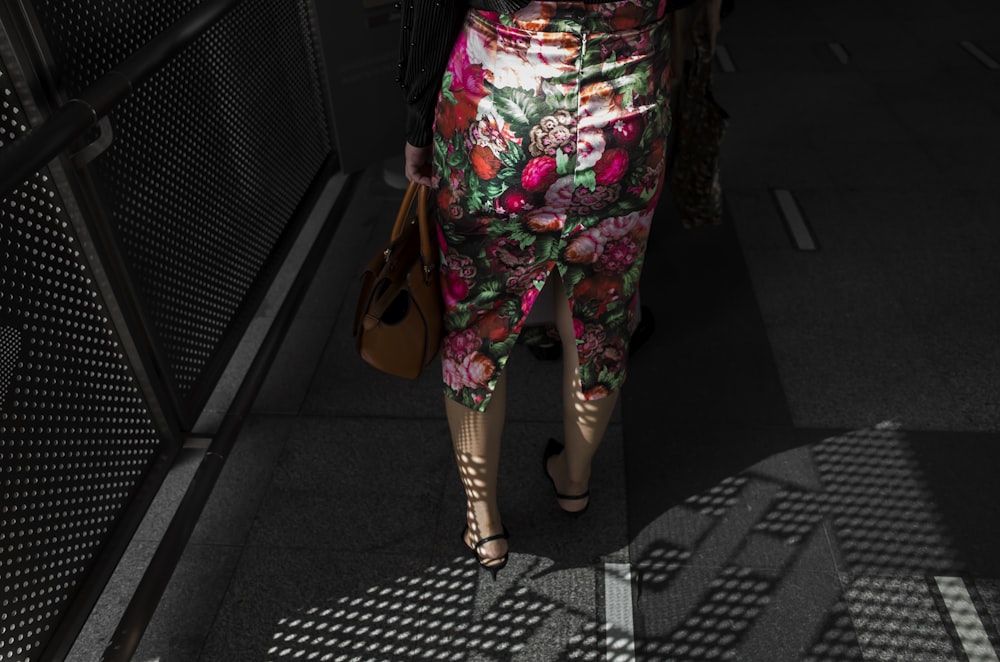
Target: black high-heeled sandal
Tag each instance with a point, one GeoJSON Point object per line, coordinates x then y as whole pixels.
{"type": "Point", "coordinates": [494, 565]}
{"type": "Point", "coordinates": [552, 449]}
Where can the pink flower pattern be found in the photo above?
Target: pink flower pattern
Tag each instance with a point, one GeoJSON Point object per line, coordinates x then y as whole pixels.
{"type": "Point", "coordinates": [578, 133]}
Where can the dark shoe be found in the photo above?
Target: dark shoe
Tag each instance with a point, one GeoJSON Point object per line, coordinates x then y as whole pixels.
{"type": "Point", "coordinates": [642, 331]}
{"type": "Point", "coordinates": [552, 449]}
{"type": "Point", "coordinates": [542, 341]}
{"type": "Point", "coordinates": [494, 565]}
{"type": "Point", "coordinates": [549, 350]}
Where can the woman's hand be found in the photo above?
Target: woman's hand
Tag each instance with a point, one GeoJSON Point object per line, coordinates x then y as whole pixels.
{"type": "Point", "coordinates": [709, 21]}
{"type": "Point", "coordinates": [418, 164]}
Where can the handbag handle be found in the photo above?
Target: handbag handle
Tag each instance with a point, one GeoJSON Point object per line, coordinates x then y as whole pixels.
{"type": "Point", "coordinates": [422, 194]}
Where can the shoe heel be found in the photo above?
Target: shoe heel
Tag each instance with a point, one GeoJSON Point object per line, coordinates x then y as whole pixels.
{"type": "Point", "coordinates": [501, 562]}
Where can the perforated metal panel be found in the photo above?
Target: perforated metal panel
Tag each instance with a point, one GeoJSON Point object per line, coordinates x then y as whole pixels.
{"type": "Point", "coordinates": [76, 436]}
{"type": "Point", "coordinates": [89, 37]}
{"type": "Point", "coordinates": [211, 156]}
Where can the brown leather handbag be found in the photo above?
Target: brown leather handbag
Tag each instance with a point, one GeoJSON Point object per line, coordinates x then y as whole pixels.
{"type": "Point", "coordinates": [398, 320]}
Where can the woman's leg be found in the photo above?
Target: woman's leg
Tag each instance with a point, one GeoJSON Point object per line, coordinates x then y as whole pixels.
{"type": "Point", "coordinates": [584, 422]}
{"type": "Point", "coordinates": [476, 438]}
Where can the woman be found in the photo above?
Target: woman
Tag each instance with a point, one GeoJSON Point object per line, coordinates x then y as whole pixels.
{"type": "Point", "coordinates": [541, 126]}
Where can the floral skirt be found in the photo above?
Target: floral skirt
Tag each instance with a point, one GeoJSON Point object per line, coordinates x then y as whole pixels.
{"type": "Point", "coordinates": [548, 154]}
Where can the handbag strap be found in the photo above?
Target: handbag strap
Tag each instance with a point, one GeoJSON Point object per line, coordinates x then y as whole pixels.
{"type": "Point", "coordinates": [422, 195]}
{"type": "Point", "coordinates": [404, 209]}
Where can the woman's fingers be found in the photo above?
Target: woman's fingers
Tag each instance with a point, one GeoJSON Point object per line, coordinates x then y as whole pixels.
{"type": "Point", "coordinates": [418, 164]}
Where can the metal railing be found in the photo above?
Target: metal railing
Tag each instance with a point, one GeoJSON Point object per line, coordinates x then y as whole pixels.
{"type": "Point", "coordinates": [63, 131]}
{"type": "Point", "coordinates": [148, 593]}
{"type": "Point", "coordinates": [75, 118]}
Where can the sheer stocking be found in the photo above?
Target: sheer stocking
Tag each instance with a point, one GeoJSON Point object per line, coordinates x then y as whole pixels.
{"type": "Point", "coordinates": [476, 439]}
{"type": "Point", "coordinates": [584, 422]}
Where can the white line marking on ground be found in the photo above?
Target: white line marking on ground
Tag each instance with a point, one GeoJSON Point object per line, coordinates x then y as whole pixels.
{"type": "Point", "coordinates": [620, 640]}
{"type": "Point", "coordinates": [725, 59]}
{"type": "Point", "coordinates": [971, 631]}
{"type": "Point", "coordinates": [795, 221]}
{"type": "Point", "coordinates": [980, 55]}
{"type": "Point", "coordinates": [840, 52]}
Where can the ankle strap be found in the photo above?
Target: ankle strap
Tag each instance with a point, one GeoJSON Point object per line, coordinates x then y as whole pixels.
{"type": "Point", "coordinates": [499, 536]}
{"type": "Point", "coordinates": [574, 497]}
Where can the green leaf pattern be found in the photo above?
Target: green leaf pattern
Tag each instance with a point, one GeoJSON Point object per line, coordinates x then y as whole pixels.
{"type": "Point", "coordinates": [519, 198]}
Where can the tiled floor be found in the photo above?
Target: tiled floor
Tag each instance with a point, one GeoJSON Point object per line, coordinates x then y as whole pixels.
{"type": "Point", "coordinates": [803, 465]}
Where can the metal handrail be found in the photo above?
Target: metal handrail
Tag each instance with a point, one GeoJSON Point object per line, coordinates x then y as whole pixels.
{"type": "Point", "coordinates": [148, 593]}
{"type": "Point", "coordinates": [30, 152]}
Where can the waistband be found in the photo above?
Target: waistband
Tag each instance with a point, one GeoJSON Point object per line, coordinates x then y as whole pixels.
{"type": "Point", "coordinates": [511, 6]}
{"type": "Point", "coordinates": [612, 17]}
{"type": "Point", "coordinates": [500, 6]}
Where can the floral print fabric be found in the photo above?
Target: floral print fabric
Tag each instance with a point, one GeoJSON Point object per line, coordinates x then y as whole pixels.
{"type": "Point", "coordinates": [548, 154]}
